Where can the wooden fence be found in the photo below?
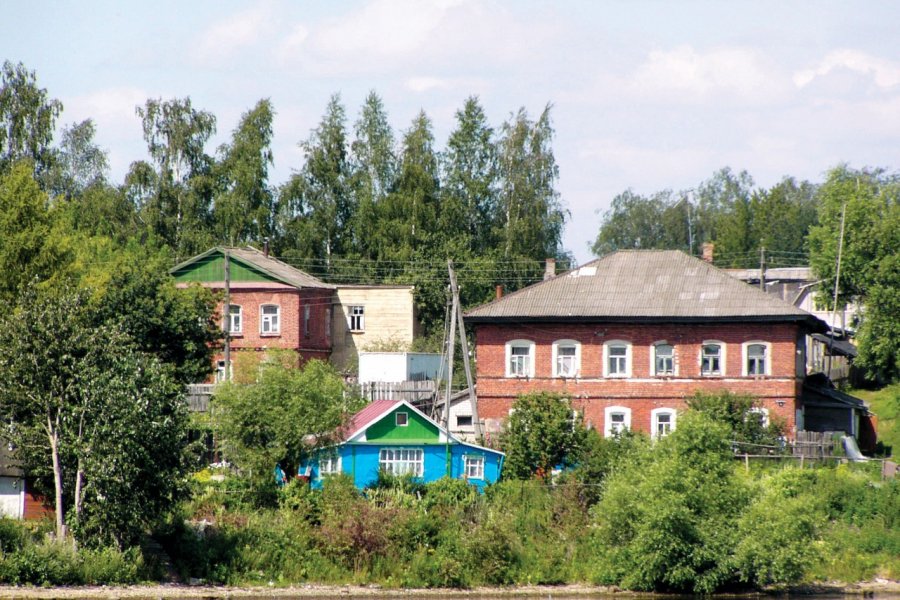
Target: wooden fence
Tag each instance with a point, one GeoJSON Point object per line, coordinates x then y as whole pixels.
{"type": "Point", "coordinates": [817, 444]}
{"type": "Point", "coordinates": [198, 395]}
{"type": "Point", "coordinates": [411, 391]}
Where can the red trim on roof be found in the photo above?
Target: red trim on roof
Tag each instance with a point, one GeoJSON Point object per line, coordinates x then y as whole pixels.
{"type": "Point", "coordinates": [369, 415]}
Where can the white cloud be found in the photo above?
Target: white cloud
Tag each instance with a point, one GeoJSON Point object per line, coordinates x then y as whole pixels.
{"type": "Point", "coordinates": [684, 71]}
{"type": "Point", "coordinates": [399, 36]}
{"type": "Point", "coordinates": [111, 108]}
{"type": "Point", "coordinates": [426, 84]}
{"type": "Point", "coordinates": [229, 35]}
{"type": "Point", "coordinates": [885, 73]}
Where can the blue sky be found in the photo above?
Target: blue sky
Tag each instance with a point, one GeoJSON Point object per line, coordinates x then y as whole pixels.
{"type": "Point", "coordinates": [646, 95]}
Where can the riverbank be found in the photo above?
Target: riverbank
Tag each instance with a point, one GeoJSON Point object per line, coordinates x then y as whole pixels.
{"type": "Point", "coordinates": [888, 588]}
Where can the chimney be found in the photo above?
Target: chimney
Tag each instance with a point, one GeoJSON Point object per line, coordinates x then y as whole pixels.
{"type": "Point", "coordinates": [708, 248]}
{"type": "Point", "coordinates": [266, 247]}
{"type": "Point", "coordinates": [499, 291]}
{"type": "Point", "coordinates": [549, 269]}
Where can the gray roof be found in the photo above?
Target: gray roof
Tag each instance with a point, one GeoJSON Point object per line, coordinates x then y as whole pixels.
{"type": "Point", "coordinates": [8, 467]}
{"type": "Point", "coordinates": [281, 270]}
{"type": "Point", "coordinates": [641, 285]}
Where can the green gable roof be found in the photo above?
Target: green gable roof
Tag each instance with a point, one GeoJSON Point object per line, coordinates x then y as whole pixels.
{"type": "Point", "coordinates": [417, 428]}
{"type": "Point", "coordinates": [247, 265]}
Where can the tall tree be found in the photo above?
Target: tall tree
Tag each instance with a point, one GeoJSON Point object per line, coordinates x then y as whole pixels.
{"type": "Point", "coordinates": [27, 250]}
{"type": "Point", "coordinates": [315, 205]}
{"type": "Point", "coordinates": [27, 119]}
{"type": "Point", "coordinates": [716, 200]}
{"type": "Point", "coordinates": [178, 203]}
{"type": "Point", "coordinates": [105, 423]}
{"type": "Point", "coordinates": [470, 180]}
{"type": "Point", "coordinates": [374, 169]}
{"type": "Point", "coordinates": [243, 207]}
{"type": "Point", "coordinates": [80, 163]}
{"type": "Point", "coordinates": [532, 215]}
{"type": "Point", "coordinates": [870, 258]}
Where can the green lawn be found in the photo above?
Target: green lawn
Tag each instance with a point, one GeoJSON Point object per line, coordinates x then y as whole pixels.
{"type": "Point", "coordinates": [885, 403]}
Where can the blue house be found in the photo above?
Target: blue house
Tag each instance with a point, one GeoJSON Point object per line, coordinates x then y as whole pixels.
{"type": "Point", "coordinates": [399, 438]}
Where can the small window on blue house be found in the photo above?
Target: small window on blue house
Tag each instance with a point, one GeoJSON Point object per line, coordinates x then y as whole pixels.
{"type": "Point", "coordinates": [402, 461]}
{"type": "Point", "coordinates": [473, 466]}
{"type": "Point", "coordinates": [329, 465]}
{"type": "Point", "coordinates": [402, 419]}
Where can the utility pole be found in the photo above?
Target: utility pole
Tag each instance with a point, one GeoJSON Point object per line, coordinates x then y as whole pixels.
{"type": "Point", "coordinates": [226, 318]}
{"type": "Point", "coordinates": [837, 281]}
{"type": "Point", "coordinates": [762, 268]}
{"type": "Point", "coordinates": [454, 288]}
{"type": "Point", "coordinates": [454, 313]}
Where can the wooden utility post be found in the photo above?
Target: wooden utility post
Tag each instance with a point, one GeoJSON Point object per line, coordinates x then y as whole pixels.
{"type": "Point", "coordinates": [454, 312]}
{"type": "Point", "coordinates": [226, 319]}
{"type": "Point", "coordinates": [762, 268]}
{"type": "Point", "coordinates": [454, 289]}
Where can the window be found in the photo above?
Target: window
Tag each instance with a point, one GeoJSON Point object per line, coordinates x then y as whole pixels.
{"type": "Point", "coordinates": [662, 421]}
{"type": "Point", "coordinates": [306, 321]}
{"type": "Point", "coordinates": [401, 419]}
{"type": "Point", "coordinates": [618, 419]}
{"type": "Point", "coordinates": [712, 359]}
{"type": "Point", "coordinates": [463, 420]}
{"type": "Point", "coordinates": [329, 465]}
{"type": "Point", "coordinates": [235, 322]}
{"type": "Point", "coordinates": [759, 413]}
{"type": "Point", "coordinates": [221, 374]}
{"type": "Point", "coordinates": [618, 359]}
{"type": "Point", "coordinates": [356, 318]}
{"type": "Point", "coordinates": [664, 359]}
{"type": "Point", "coordinates": [473, 466]}
{"type": "Point", "coordinates": [269, 320]}
{"type": "Point", "coordinates": [756, 358]}
{"type": "Point", "coordinates": [566, 358]}
{"type": "Point", "coordinates": [520, 358]}
{"type": "Point", "coordinates": [400, 461]}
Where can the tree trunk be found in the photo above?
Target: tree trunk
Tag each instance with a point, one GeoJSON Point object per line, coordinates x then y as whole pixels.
{"type": "Point", "coordinates": [53, 435]}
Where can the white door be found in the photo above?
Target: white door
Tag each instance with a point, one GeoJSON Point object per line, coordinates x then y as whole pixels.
{"type": "Point", "coordinates": [12, 497]}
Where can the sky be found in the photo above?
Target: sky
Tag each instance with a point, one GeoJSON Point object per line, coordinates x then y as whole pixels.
{"type": "Point", "coordinates": [646, 95]}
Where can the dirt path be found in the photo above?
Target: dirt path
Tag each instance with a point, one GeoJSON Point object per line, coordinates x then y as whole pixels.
{"type": "Point", "coordinates": [880, 588]}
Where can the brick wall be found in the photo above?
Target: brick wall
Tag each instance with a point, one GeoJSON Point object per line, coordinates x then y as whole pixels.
{"type": "Point", "coordinates": [778, 391]}
{"type": "Point", "coordinates": [310, 338]}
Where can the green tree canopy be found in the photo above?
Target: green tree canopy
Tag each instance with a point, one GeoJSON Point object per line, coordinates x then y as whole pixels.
{"type": "Point", "coordinates": [27, 119]}
{"type": "Point", "coordinates": [542, 433]}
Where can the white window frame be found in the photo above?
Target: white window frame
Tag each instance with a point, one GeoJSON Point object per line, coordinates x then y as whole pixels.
{"type": "Point", "coordinates": [656, 372]}
{"type": "Point", "coordinates": [528, 367]}
{"type": "Point", "coordinates": [607, 346]}
{"type": "Point", "coordinates": [473, 466]}
{"type": "Point", "coordinates": [329, 465]}
{"type": "Point", "coordinates": [608, 412]}
{"type": "Point", "coordinates": [759, 410]}
{"type": "Point", "coordinates": [654, 421]}
{"type": "Point", "coordinates": [356, 317]}
{"type": "Point", "coordinates": [232, 330]}
{"type": "Point", "coordinates": [221, 374]}
{"type": "Point", "coordinates": [272, 322]}
{"type": "Point", "coordinates": [722, 357]}
{"type": "Point", "coordinates": [745, 358]}
{"type": "Point", "coordinates": [576, 359]}
{"type": "Point", "coordinates": [401, 461]}
{"type": "Point", "coordinates": [397, 416]}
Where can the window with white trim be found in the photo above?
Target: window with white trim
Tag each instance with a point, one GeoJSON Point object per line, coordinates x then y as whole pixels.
{"type": "Point", "coordinates": [520, 358]}
{"type": "Point", "coordinates": [401, 419]}
{"type": "Point", "coordinates": [617, 359]}
{"type": "Point", "coordinates": [473, 466]}
{"type": "Point", "coordinates": [662, 421]}
{"type": "Point", "coordinates": [356, 318]}
{"type": "Point", "coordinates": [756, 358]}
{"type": "Point", "coordinates": [616, 420]}
{"type": "Point", "coordinates": [757, 412]}
{"type": "Point", "coordinates": [221, 373]}
{"type": "Point", "coordinates": [663, 359]}
{"type": "Point", "coordinates": [712, 359]}
{"type": "Point", "coordinates": [329, 465]}
{"type": "Point", "coordinates": [402, 461]}
{"type": "Point", "coordinates": [235, 320]}
{"type": "Point", "coordinates": [270, 319]}
{"type": "Point", "coordinates": [566, 358]}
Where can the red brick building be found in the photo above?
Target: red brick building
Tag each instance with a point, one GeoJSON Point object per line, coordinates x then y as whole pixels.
{"type": "Point", "coordinates": [631, 335]}
{"type": "Point", "coordinates": [272, 304]}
